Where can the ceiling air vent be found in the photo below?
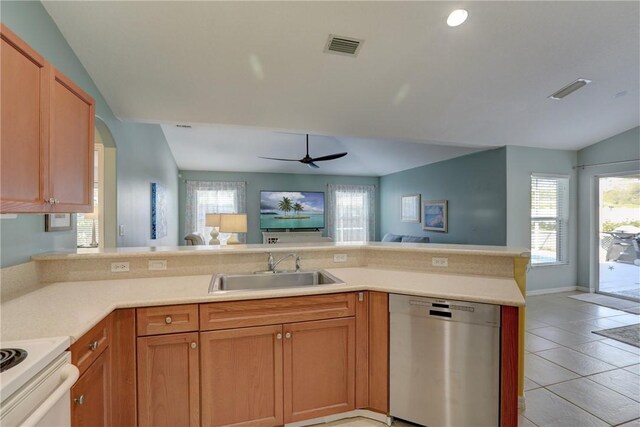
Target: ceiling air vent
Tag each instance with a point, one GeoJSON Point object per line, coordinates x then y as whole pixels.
{"type": "Point", "coordinates": [343, 45]}
{"type": "Point", "coordinates": [569, 89]}
{"type": "Point", "coordinates": [184, 126]}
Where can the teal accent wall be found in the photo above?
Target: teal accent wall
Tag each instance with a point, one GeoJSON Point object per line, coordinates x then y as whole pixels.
{"type": "Point", "coordinates": [521, 163]}
{"type": "Point", "coordinates": [143, 154]}
{"type": "Point", "coordinates": [474, 185]}
{"type": "Point", "coordinates": [268, 181]}
{"type": "Point", "coordinates": [621, 147]}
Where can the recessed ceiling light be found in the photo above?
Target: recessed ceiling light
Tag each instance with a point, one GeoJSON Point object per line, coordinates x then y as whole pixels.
{"type": "Point", "coordinates": [457, 17]}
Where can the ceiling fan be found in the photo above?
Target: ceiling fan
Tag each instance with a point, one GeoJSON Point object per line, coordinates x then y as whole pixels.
{"type": "Point", "coordinates": [308, 160]}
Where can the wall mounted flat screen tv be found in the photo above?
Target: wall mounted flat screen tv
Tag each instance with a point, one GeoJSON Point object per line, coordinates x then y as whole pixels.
{"type": "Point", "coordinates": [292, 210]}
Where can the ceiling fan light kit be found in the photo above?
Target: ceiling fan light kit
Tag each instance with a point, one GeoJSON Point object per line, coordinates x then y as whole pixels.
{"type": "Point", "coordinates": [308, 160]}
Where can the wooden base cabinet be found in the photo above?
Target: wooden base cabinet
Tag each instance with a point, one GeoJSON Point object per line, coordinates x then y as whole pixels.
{"type": "Point", "coordinates": [319, 368]}
{"type": "Point", "coordinates": [91, 394]}
{"type": "Point", "coordinates": [168, 380]}
{"type": "Point", "coordinates": [242, 377]}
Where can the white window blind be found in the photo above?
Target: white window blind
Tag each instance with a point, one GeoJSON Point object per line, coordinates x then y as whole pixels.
{"type": "Point", "coordinates": [205, 197]}
{"type": "Point", "coordinates": [549, 219]}
{"type": "Point", "coordinates": [84, 226]}
{"type": "Point", "coordinates": [351, 212]}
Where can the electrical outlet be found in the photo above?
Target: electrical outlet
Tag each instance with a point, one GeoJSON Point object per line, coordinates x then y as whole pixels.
{"type": "Point", "coordinates": [121, 230]}
{"type": "Point", "coordinates": [440, 262]}
{"type": "Point", "coordinates": [340, 258]}
{"type": "Point", "coordinates": [119, 267]}
{"type": "Point", "coordinates": [158, 264]}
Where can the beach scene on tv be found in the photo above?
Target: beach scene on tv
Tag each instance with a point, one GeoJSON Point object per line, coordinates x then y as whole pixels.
{"type": "Point", "coordinates": [291, 209]}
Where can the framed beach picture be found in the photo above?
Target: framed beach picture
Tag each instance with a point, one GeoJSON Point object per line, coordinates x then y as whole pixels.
{"type": "Point", "coordinates": [410, 208]}
{"type": "Point", "coordinates": [58, 222]}
{"type": "Point", "coordinates": [434, 215]}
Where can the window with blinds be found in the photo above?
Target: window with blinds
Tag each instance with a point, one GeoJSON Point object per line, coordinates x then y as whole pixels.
{"type": "Point", "coordinates": [351, 212]}
{"type": "Point", "coordinates": [549, 219]}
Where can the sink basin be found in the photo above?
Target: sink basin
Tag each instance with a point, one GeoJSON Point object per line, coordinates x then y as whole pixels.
{"type": "Point", "coordinates": [269, 280]}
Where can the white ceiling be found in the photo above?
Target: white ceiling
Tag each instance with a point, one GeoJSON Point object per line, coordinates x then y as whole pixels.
{"type": "Point", "coordinates": [262, 64]}
{"type": "Point", "coordinates": [227, 148]}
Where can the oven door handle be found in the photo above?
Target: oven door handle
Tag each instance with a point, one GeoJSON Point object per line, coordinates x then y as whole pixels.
{"type": "Point", "coordinates": [69, 375]}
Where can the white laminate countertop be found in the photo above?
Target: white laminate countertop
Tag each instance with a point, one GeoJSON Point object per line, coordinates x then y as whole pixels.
{"type": "Point", "coordinates": [72, 308]}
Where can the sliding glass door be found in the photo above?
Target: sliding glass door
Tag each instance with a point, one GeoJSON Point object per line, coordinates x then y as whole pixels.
{"type": "Point", "coordinates": [619, 236]}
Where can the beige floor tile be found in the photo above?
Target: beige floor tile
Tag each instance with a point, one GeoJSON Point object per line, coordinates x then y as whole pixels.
{"type": "Point", "coordinates": [598, 400]}
{"type": "Point", "coordinates": [627, 319]}
{"type": "Point", "coordinates": [607, 353]}
{"type": "Point", "coordinates": [548, 410]}
{"type": "Point", "coordinates": [621, 345]}
{"type": "Point", "coordinates": [353, 422]}
{"type": "Point", "coordinates": [634, 369]}
{"type": "Point", "coordinates": [622, 381]}
{"type": "Point", "coordinates": [634, 423]}
{"type": "Point", "coordinates": [563, 337]}
{"type": "Point", "coordinates": [634, 310]}
{"type": "Point", "coordinates": [524, 422]}
{"type": "Point", "coordinates": [533, 324]}
{"type": "Point", "coordinates": [606, 323]}
{"type": "Point", "coordinates": [529, 384]}
{"type": "Point", "coordinates": [534, 343]}
{"type": "Point", "coordinates": [575, 361]}
{"type": "Point", "coordinates": [544, 372]}
{"type": "Point", "coordinates": [599, 311]}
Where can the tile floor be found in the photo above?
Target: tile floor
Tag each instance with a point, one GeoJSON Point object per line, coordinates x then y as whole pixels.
{"type": "Point", "coordinates": [573, 378]}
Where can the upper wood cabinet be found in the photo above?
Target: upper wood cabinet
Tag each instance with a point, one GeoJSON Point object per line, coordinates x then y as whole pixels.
{"type": "Point", "coordinates": [46, 134]}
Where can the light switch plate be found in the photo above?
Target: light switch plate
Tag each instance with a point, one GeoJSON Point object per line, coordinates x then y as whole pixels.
{"type": "Point", "coordinates": [340, 258]}
{"type": "Point", "coordinates": [158, 264]}
{"type": "Point", "coordinates": [440, 261]}
{"type": "Point", "coordinates": [119, 267]}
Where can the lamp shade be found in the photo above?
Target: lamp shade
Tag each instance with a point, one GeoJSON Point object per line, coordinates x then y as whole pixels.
{"type": "Point", "coordinates": [233, 223]}
{"type": "Point", "coordinates": [212, 220]}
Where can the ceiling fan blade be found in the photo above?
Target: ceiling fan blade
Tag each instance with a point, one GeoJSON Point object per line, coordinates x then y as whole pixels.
{"type": "Point", "coordinates": [284, 160]}
{"type": "Point", "coordinates": [313, 165]}
{"type": "Point", "coordinates": [329, 157]}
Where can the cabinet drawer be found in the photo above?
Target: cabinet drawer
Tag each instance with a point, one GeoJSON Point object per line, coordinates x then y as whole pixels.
{"type": "Point", "coordinates": [91, 345]}
{"type": "Point", "coordinates": [234, 314]}
{"type": "Point", "coordinates": [167, 319]}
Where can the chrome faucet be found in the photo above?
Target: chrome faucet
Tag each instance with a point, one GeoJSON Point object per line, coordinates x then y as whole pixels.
{"type": "Point", "coordinates": [272, 264]}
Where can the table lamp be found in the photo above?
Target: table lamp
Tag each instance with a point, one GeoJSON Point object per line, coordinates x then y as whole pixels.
{"type": "Point", "coordinates": [233, 223]}
{"type": "Point", "coordinates": [213, 220]}
{"type": "Point", "coordinates": [92, 216]}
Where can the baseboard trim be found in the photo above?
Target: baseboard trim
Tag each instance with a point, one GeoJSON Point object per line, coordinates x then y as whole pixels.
{"type": "Point", "coordinates": [351, 414]}
{"type": "Point", "coordinates": [556, 290]}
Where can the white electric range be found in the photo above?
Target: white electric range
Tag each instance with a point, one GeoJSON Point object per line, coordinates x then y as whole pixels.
{"type": "Point", "coordinates": [36, 377]}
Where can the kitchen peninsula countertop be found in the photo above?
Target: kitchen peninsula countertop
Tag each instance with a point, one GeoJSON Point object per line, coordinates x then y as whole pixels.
{"type": "Point", "coordinates": [73, 308]}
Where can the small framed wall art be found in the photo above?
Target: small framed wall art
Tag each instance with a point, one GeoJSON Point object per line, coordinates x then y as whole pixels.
{"type": "Point", "coordinates": [58, 222]}
{"type": "Point", "coordinates": [410, 208]}
{"type": "Point", "coordinates": [434, 215]}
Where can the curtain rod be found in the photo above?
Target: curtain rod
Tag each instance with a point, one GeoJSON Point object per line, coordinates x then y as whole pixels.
{"type": "Point", "coordinates": [605, 163]}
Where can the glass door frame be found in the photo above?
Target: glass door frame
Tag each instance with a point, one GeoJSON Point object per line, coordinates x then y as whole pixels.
{"type": "Point", "coordinates": [596, 231]}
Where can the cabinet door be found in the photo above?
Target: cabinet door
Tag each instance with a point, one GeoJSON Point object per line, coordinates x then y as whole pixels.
{"type": "Point", "coordinates": [90, 395]}
{"type": "Point", "coordinates": [242, 377]}
{"type": "Point", "coordinates": [319, 368]}
{"type": "Point", "coordinates": [24, 131]}
{"type": "Point", "coordinates": [71, 146]}
{"type": "Point", "coordinates": [168, 384]}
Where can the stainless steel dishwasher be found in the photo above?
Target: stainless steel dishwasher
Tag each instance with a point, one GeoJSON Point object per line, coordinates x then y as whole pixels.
{"type": "Point", "coordinates": [444, 362]}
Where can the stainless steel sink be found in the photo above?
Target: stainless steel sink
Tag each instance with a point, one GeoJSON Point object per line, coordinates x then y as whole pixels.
{"type": "Point", "coordinates": [269, 280]}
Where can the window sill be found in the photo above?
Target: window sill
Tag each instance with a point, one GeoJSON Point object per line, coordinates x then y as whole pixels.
{"type": "Point", "coordinates": [550, 264]}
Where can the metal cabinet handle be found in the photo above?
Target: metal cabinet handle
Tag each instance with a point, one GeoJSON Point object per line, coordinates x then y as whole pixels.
{"type": "Point", "coordinates": [93, 345]}
{"type": "Point", "coordinates": [51, 201]}
{"type": "Point", "coordinates": [194, 345]}
{"type": "Point", "coordinates": [278, 336]}
{"type": "Point", "coordinates": [57, 201]}
{"type": "Point", "coordinates": [79, 400]}
{"type": "Point", "coordinates": [168, 320]}
{"type": "Point", "coordinates": [287, 335]}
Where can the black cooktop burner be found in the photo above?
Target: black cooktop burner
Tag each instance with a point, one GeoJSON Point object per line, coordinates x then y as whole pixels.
{"type": "Point", "coordinates": [10, 357]}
